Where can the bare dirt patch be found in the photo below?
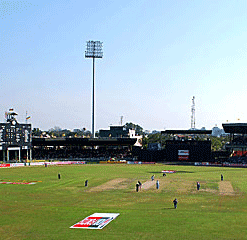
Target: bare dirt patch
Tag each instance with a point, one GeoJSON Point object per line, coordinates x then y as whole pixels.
{"type": "Point", "coordinates": [163, 183]}
{"type": "Point", "coordinates": [226, 188]}
{"type": "Point", "coordinates": [117, 183]}
{"type": "Point", "coordinates": [167, 184]}
{"type": "Point", "coordinates": [184, 186]}
{"type": "Point", "coordinates": [209, 190]}
{"type": "Point", "coordinates": [148, 184]}
{"type": "Point", "coordinates": [176, 185]}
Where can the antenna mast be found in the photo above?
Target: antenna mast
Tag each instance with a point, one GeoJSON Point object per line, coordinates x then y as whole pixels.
{"type": "Point", "coordinates": [193, 119]}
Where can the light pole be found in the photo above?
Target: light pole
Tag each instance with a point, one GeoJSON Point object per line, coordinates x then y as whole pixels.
{"type": "Point", "coordinates": [93, 50]}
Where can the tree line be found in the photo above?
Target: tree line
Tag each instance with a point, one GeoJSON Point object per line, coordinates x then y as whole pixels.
{"type": "Point", "coordinates": [218, 143]}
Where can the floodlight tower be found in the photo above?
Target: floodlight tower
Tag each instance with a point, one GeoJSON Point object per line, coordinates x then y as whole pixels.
{"type": "Point", "coordinates": [193, 120]}
{"type": "Point", "coordinates": [93, 50]}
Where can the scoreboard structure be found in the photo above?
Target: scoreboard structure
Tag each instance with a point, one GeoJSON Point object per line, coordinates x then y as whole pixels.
{"type": "Point", "coordinates": [15, 140]}
{"type": "Point", "coordinates": [188, 150]}
{"type": "Point", "coordinates": [182, 145]}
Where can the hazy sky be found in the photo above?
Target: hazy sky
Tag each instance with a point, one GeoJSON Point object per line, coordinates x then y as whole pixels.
{"type": "Point", "coordinates": [157, 56]}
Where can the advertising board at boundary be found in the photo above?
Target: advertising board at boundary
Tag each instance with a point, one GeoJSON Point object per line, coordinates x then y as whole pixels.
{"type": "Point", "coordinates": [7, 165]}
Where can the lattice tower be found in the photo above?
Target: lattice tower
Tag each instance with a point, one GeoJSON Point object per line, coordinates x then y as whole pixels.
{"type": "Point", "coordinates": [193, 119]}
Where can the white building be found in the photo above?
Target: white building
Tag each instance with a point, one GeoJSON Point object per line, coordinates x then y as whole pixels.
{"type": "Point", "coordinates": [217, 132]}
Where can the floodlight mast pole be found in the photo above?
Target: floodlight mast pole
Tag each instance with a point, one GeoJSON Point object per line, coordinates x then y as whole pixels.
{"type": "Point", "coordinates": [94, 50]}
{"type": "Point", "coordinates": [93, 102]}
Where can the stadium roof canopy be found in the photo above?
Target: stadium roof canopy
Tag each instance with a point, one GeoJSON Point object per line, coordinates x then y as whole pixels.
{"type": "Point", "coordinates": [186, 132]}
{"type": "Point", "coordinates": [240, 128]}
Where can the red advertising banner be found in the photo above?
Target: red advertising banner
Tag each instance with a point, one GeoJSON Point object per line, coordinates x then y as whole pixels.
{"type": "Point", "coordinates": [96, 221]}
{"type": "Point", "coordinates": [183, 157]}
{"type": "Point", "coordinates": [5, 165]}
{"type": "Point", "coordinates": [18, 183]}
{"type": "Point", "coordinates": [183, 154]}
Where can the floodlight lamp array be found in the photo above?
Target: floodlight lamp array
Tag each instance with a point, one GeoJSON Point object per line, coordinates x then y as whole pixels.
{"type": "Point", "coordinates": [94, 49]}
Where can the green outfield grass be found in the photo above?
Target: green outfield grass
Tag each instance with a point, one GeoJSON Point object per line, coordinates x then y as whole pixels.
{"type": "Point", "coordinates": [47, 209]}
